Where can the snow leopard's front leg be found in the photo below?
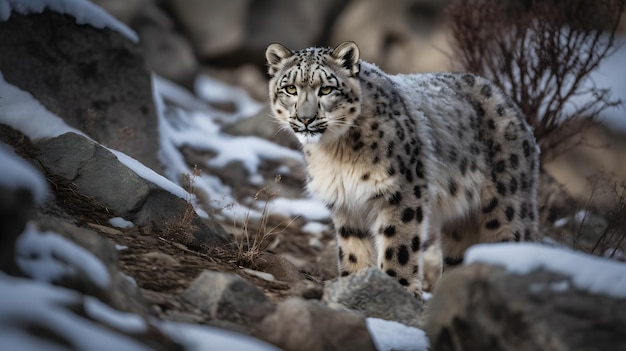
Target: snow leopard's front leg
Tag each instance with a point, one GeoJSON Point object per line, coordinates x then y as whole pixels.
{"type": "Point", "coordinates": [354, 246]}
{"type": "Point", "coordinates": [401, 226]}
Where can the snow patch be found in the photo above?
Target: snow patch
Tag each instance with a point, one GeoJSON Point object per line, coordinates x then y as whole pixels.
{"type": "Point", "coordinates": [310, 209]}
{"type": "Point", "coordinates": [214, 91]}
{"type": "Point", "coordinates": [315, 228]}
{"type": "Point", "coordinates": [26, 303]}
{"type": "Point", "coordinates": [203, 338]}
{"type": "Point", "coordinates": [83, 11]}
{"type": "Point", "coordinates": [263, 275]}
{"type": "Point", "coordinates": [48, 257]}
{"type": "Point", "coordinates": [592, 274]}
{"type": "Point", "coordinates": [21, 111]}
{"type": "Point", "coordinates": [17, 173]}
{"type": "Point", "coordinates": [390, 335]}
{"type": "Point", "coordinates": [150, 175]}
{"type": "Point", "coordinates": [559, 287]}
{"type": "Point", "coordinates": [127, 322]}
{"type": "Point", "coordinates": [120, 222]}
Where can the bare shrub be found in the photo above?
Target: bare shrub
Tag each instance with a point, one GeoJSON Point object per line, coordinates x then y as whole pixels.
{"type": "Point", "coordinates": [595, 230]}
{"type": "Point", "coordinates": [181, 229]}
{"type": "Point", "coordinates": [250, 244]}
{"type": "Point", "coordinates": [541, 52]}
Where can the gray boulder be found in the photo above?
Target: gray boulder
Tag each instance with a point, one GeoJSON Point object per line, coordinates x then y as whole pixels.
{"type": "Point", "coordinates": [94, 79]}
{"type": "Point", "coordinates": [98, 173]}
{"type": "Point", "coordinates": [238, 31]}
{"type": "Point", "coordinates": [306, 325]}
{"type": "Point", "coordinates": [373, 293]}
{"type": "Point", "coordinates": [401, 36]}
{"type": "Point", "coordinates": [483, 307]}
{"type": "Point", "coordinates": [228, 297]}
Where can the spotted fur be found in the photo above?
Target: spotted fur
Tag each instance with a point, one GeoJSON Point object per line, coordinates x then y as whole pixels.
{"type": "Point", "coordinates": [406, 161]}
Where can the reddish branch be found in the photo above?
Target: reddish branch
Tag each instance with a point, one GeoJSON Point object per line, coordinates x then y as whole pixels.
{"type": "Point", "coordinates": [541, 53]}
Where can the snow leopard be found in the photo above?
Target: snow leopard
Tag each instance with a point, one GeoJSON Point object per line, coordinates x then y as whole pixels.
{"type": "Point", "coordinates": [406, 161]}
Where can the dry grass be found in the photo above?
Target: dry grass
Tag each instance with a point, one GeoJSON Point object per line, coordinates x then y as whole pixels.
{"type": "Point", "coordinates": [250, 244]}
{"type": "Point", "coordinates": [182, 229]}
{"type": "Point", "coordinates": [541, 53]}
{"type": "Point", "coordinates": [125, 135]}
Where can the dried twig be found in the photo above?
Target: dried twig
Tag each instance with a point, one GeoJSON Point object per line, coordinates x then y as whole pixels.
{"type": "Point", "coordinates": [541, 53]}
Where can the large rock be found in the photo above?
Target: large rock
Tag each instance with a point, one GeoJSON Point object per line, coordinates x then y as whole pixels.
{"type": "Point", "coordinates": [228, 297]}
{"type": "Point", "coordinates": [373, 293]}
{"type": "Point", "coordinates": [168, 53]}
{"type": "Point", "coordinates": [305, 325]}
{"type": "Point", "coordinates": [483, 307]}
{"type": "Point", "coordinates": [98, 173]}
{"type": "Point", "coordinates": [402, 36]}
{"type": "Point", "coordinates": [95, 79]}
{"type": "Point", "coordinates": [238, 31]}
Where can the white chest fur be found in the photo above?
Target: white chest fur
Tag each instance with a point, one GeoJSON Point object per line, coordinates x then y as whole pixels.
{"type": "Point", "coordinates": [344, 183]}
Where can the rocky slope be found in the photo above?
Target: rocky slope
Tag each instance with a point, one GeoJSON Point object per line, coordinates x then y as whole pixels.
{"type": "Point", "coordinates": [137, 214]}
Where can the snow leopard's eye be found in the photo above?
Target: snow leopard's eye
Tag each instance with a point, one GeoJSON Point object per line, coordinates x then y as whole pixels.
{"type": "Point", "coordinates": [325, 90]}
{"type": "Point", "coordinates": [291, 89]}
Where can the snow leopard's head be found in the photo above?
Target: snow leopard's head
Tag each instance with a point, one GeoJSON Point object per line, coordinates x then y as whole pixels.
{"type": "Point", "coordinates": [315, 92]}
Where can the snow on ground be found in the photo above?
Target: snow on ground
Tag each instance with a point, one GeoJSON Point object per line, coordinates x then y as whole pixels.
{"type": "Point", "coordinates": [17, 173]}
{"type": "Point", "coordinates": [48, 257]}
{"type": "Point", "coordinates": [585, 272]}
{"type": "Point", "coordinates": [307, 208]}
{"type": "Point", "coordinates": [214, 91]}
{"type": "Point", "coordinates": [21, 111]}
{"type": "Point", "coordinates": [120, 222]}
{"type": "Point", "coordinates": [82, 10]}
{"type": "Point", "coordinates": [390, 335]}
{"type": "Point", "coordinates": [26, 304]}
{"type": "Point", "coordinates": [202, 338]}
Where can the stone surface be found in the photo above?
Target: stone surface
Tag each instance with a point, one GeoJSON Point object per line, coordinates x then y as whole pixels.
{"type": "Point", "coordinates": [279, 267]}
{"type": "Point", "coordinates": [403, 36]}
{"type": "Point", "coordinates": [482, 307]}
{"type": "Point", "coordinates": [228, 297]}
{"type": "Point", "coordinates": [84, 162]}
{"type": "Point", "coordinates": [94, 79]}
{"type": "Point", "coordinates": [232, 33]}
{"type": "Point", "coordinates": [373, 293]}
{"type": "Point", "coordinates": [214, 27]}
{"type": "Point", "coordinates": [305, 325]}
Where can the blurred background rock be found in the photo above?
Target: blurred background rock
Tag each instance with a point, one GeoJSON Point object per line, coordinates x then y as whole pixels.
{"type": "Point", "coordinates": [228, 38]}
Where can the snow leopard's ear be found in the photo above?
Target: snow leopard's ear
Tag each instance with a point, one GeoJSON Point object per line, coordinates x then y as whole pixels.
{"type": "Point", "coordinates": [348, 55]}
{"type": "Point", "coordinates": [275, 54]}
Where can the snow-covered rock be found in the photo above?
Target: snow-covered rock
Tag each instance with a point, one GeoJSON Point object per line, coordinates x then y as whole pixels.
{"type": "Point", "coordinates": [88, 71]}
{"type": "Point", "coordinates": [83, 162]}
{"type": "Point", "coordinates": [529, 297]}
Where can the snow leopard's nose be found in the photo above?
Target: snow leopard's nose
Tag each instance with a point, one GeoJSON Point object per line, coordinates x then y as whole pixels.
{"type": "Point", "coordinates": [306, 120]}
